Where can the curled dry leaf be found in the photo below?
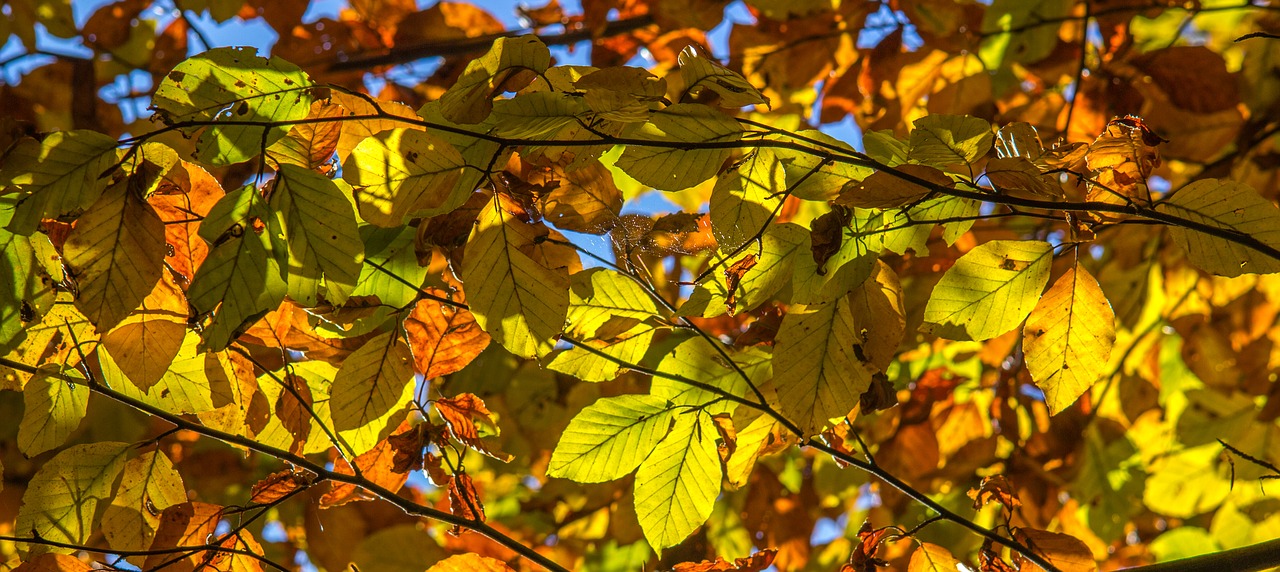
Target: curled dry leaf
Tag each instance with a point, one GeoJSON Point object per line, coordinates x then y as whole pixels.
{"type": "Point", "coordinates": [466, 414]}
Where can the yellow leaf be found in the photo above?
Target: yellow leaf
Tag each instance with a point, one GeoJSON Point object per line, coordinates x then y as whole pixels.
{"type": "Point", "coordinates": [816, 370]}
{"type": "Point", "coordinates": [520, 302]}
{"type": "Point", "coordinates": [932, 558]}
{"type": "Point", "coordinates": [879, 318]}
{"type": "Point", "coordinates": [1068, 338]}
{"type": "Point", "coordinates": [146, 342]}
{"type": "Point", "coordinates": [116, 252]}
{"type": "Point", "coordinates": [1231, 207]}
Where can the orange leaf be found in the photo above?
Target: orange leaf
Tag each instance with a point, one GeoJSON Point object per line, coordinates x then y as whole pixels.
{"type": "Point", "coordinates": [376, 465]}
{"type": "Point", "coordinates": [276, 486]}
{"type": "Point", "coordinates": [186, 524]}
{"type": "Point", "coordinates": [463, 413]}
{"type": "Point", "coordinates": [754, 563]}
{"type": "Point", "coordinates": [464, 500]}
{"type": "Point", "coordinates": [1067, 553]}
{"type": "Point", "coordinates": [53, 563]}
{"type": "Point", "coordinates": [733, 275]}
{"type": "Point", "coordinates": [995, 488]}
{"type": "Point", "coordinates": [444, 339]}
{"type": "Point", "coordinates": [470, 562]}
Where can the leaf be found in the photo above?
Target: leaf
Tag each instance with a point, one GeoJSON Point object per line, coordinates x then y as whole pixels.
{"type": "Point", "coordinates": [932, 558]}
{"type": "Point", "coordinates": [1019, 177]}
{"type": "Point", "coordinates": [354, 131]}
{"type": "Point", "coordinates": [518, 301]}
{"type": "Point", "coordinates": [947, 140]}
{"type": "Point", "coordinates": [1065, 552]}
{"type": "Point", "coordinates": [847, 267]}
{"type": "Point", "coordinates": [52, 410]}
{"type": "Point", "coordinates": [700, 73]}
{"type": "Point", "coordinates": [62, 174]}
{"type": "Point", "coordinates": [879, 318]}
{"type": "Point", "coordinates": [27, 278]}
{"type": "Point", "coordinates": [444, 339]}
{"type": "Point", "coordinates": [233, 84]}
{"type": "Point", "coordinates": [584, 199]}
{"type": "Point", "coordinates": [883, 190]}
{"type": "Point", "coordinates": [148, 486]}
{"type": "Point", "coordinates": [1068, 338]}
{"type": "Point", "coordinates": [610, 438]}
{"type": "Point", "coordinates": [371, 389]}
{"type": "Point", "coordinates": [53, 563]}
{"type": "Point", "coordinates": [1233, 208]}
{"type": "Point", "coordinates": [758, 435]}
{"type": "Point", "coordinates": [810, 176]}
{"type": "Point", "coordinates": [470, 562]}
{"type": "Point", "coordinates": [376, 465]}
{"type": "Point", "coordinates": [187, 524]}
{"type": "Point", "coordinates": [671, 168]}
{"type": "Point", "coordinates": [240, 280]}
{"type": "Point", "coordinates": [401, 173]}
{"type": "Point", "coordinates": [276, 486]}
{"type": "Point", "coordinates": [311, 145]}
{"type": "Point", "coordinates": [698, 360]}
{"type": "Point", "coordinates": [186, 387]}
{"type": "Point", "coordinates": [147, 341]}
{"type": "Point", "coordinates": [816, 371]}
{"type": "Point", "coordinates": [398, 548]}
{"type": "Point", "coordinates": [755, 563]}
{"type": "Point", "coordinates": [989, 291]}
{"type": "Point", "coordinates": [61, 500]}
{"type": "Point", "coordinates": [743, 200]}
{"type": "Point", "coordinates": [677, 485]}
{"type": "Point", "coordinates": [509, 65]}
{"type": "Point", "coordinates": [116, 252]}
{"type": "Point", "coordinates": [320, 227]}
{"type": "Point", "coordinates": [466, 414]}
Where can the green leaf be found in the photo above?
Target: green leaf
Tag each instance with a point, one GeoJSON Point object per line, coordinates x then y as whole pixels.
{"type": "Point", "coordinates": [947, 140]}
{"type": "Point", "coordinates": [808, 178]}
{"type": "Point", "coordinates": [149, 485]}
{"type": "Point", "coordinates": [816, 370]}
{"type": "Point", "coordinates": [234, 84]}
{"type": "Point", "coordinates": [521, 303]}
{"type": "Point", "coordinates": [746, 197]}
{"type": "Point", "coordinates": [60, 175]}
{"type": "Point", "coordinates": [905, 231]}
{"type": "Point", "coordinates": [401, 173]}
{"type": "Point", "coordinates": [610, 437]}
{"type": "Point", "coordinates": [510, 65]}
{"type": "Point", "coordinates": [61, 500]}
{"type": "Point", "coordinates": [1011, 34]}
{"type": "Point", "coordinates": [371, 390]}
{"type": "Point", "coordinates": [239, 282]}
{"type": "Point", "coordinates": [1068, 338]}
{"type": "Point", "coordinates": [1110, 482]}
{"type": "Point", "coordinates": [321, 229]}
{"type": "Point", "coordinates": [1232, 207]}
{"type": "Point", "coordinates": [677, 484]}
{"type": "Point", "coordinates": [696, 359]}
{"type": "Point", "coordinates": [700, 73]}
{"type": "Point", "coordinates": [989, 291]}
{"type": "Point", "coordinates": [537, 115]}
{"type": "Point", "coordinates": [29, 267]}
{"type": "Point", "coordinates": [611, 313]}
{"type": "Point", "coordinates": [116, 252]}
{"type": "Point", "coordinates": [187, 387]}
{"type": "Point", "coordinates": [52, 410]}
{"type": "Point", "coordinates": [670, 168]}
{"type": "Point", "coordinates": [850, 266]}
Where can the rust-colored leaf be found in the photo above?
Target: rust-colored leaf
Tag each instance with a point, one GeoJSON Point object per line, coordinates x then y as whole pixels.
{"type": "Point", "coordinates": [444, 338]}
{"type": "Point", "coordinates": [277, 486]}
{"type": "Point", "coordinates": [464, 501]}
{"type": "Point", "coordinates": [466, 414]}
{"type": "Point", "coordinates": [733, 276]}
{"type": "Point", "coordinates": [186, 524]}
{"type": "Point", "coordinates": [995, 488]}
{"type": "Point", "coordinates": [755, 563]}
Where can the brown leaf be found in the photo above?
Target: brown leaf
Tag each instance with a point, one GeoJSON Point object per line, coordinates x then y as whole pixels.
{"type": "Point", "coordinates": [1017, 176]}
{"type": "Point", "coordinates": [755, 563]}
{"type": "Point", "coordinates": [733, 276]}
{"type": "Point", "coordinates": [827, 235]}
{"type": "Point", "coordinates": [293, 408]}
{"type": "Point", "coordinates": [375, 465]}
{"type": "Point", "coordinates": [186, 524]}
{"type": "Point", "coordinates": [465, 414]}
{"type": "Point", "coordinates": [444, 339]}
{"type": "Point", "coordinates": [864, 558]}
{"type": "Point", "coordinates": [585, 200]}
{"type": "Point", "coordinates": [464, 501]}
{"type": "Point", "coordinates": [53, 563]}
{"type": "Point", "coordinates": [1067, 553]}
{"type": "Point", "coordinates": [883, 190]}
{"type": "Point", "coordinates": [110, 26]}
{"type": "Point", "coordinates": [879, 396]}
{"type": "Point", "coordinates": [276, 486]}
{"type": "Point", "coordinates": [410, 446]}
{"type": "Point", "coordinates": [989, 559]}
{"type": "Point", "coordinates": [995, 488]}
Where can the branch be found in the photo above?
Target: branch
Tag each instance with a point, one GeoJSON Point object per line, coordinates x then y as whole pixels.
{"type": "Point", "coordinates": [302, 462]}
{"type": "Point", "coordinates": [478, 44]}
{"type": "Point", "coordinates": [1259, 556]}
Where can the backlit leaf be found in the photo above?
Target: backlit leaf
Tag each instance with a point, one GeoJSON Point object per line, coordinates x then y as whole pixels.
{"type": "Point", "coordinates": [879, 319]}
{"type": "Point", "coordinates": [510, 64]}
{"type": "Point", "coordinates": [1068, 338]}
{"type": "Point", "coordinates": [62, 174]}
{"type": "Point", "coordinates": [744, 200]}
{"type": "Point", "coordinates": [989, 291]}
{"type": "Point", "coordinates": [233, 84]}
{"type": "Point", "coordinates": [816, 371]}
{"type": "Point", "coordinates": [701, 73]}
{"type": "Point", "coordinates": [371, 390]}
{"type": "Point", "coordinates": [52, 410]}
{"type": "Point", "coordinates": [677, 485]}
{"type": "Point", "coordinates": [610, 438]}
{"type": "Point", "coordinates": [320, 226]}
{"type": "Point", "coordinates": [116, 253]}
{"type": "Point", "coordinates": [518, 301]}
{"type": "Point", "coordinates": [946, 140]}
{"type": "Point", "coordinates": [1231, 207]}
{"type": "Point", "coordinates": [670, 168]}
{"type": "Point", "coordinates": [145, 343]}
{"type": "Point", "coordinates": [403, 172]}
{"type": "Point", "coordinates": [62, 499]}
{"type": "Point", "coordinates": [149, 485]}
{"type": "Point", "coordinates": [444, 339]}
{"type": "Point", "coordinates": [932, 558]}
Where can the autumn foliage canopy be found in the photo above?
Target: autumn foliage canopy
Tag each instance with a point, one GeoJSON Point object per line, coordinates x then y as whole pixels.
{"type": "Point", "coordinates": [639, 285]}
